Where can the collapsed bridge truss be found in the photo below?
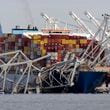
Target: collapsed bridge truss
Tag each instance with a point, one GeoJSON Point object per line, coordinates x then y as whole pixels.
{"type": "Point", "coordinates": [19, 74]}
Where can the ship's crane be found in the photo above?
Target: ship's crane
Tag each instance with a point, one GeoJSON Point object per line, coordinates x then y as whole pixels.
{"type": "Point", "coordinates": [95, 22]}
{"type": "Point", "coordinates": [98, 31]}
{"type": "Point", "coordinates": [104, 29]}
{"type": "Point", "coordinates": [51, 23]}
{"type": "Point", "coordinates": [82, 25]}
{"type": "Point", "coordinates": [101, 45]}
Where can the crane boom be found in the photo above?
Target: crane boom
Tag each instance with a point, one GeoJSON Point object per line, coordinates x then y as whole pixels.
{"type": "Point", "coordinates": [95, 22]}
{"type": "Point", "coordinates": [46, 17]}
{"type": "Point", "coordinates": [81, 23]}
{"type": "Point", "coordinates": [102, 43]}
{"type": "Point", "coordinates": [51, 22]}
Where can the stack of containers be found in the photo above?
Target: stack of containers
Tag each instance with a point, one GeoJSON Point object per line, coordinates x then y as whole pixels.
{"type": "Point", "coordinates": [2, 48]}
{"type": "Point", "coordinates": [19, 42]}
{"type": "Point", "coordinates": [50, 48]}
{"type": "Point", "coordinates": [36, 45]}
{"type": "Point", "coordinates": [26, 46]}
{"type": "Point", "coordinates": [40, 45]}
{"type": "Point", "coordinates": [46, 48]}
{"type": "Point", "coordinates": [83, 42]}
{"type": "Point", "coordinates": [11, 42]}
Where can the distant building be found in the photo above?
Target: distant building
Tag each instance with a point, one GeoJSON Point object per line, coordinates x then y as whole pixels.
{"type": "Point", "coordinates": [1, 32]}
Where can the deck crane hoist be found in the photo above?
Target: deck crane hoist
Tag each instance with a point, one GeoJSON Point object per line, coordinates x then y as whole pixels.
{"type": "Point", "coordinates": [82, 25]}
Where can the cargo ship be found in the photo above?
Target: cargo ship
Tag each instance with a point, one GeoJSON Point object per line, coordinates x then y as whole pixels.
{"type": "Point", "coordinates": [52, 60]}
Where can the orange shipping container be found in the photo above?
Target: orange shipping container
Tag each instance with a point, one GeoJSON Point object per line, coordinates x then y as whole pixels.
{"type": "Point", "coordinates": [45, 40]}
{"type": "Point", "coordinates": [36, 37]}
{"type": "Point", "coordinates": [77, 46]}
{"type": "Point", "coordinates": [83, 41]}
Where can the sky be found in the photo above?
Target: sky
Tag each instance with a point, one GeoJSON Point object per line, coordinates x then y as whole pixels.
{"type": "Point", "coordinates": [24, 12]}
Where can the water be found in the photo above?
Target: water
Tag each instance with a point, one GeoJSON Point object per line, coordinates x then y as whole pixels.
{"type": "Point", "coordinates": [55, 102]}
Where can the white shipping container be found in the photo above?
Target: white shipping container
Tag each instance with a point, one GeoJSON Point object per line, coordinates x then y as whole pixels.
{"type": "Point", "coordinates": [54, 55]}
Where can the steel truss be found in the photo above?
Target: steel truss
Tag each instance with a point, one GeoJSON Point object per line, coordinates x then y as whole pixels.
{"type": "Point", "coordinates": [17, 64]}
{"type": "Point", "coordinates": [26, 75]}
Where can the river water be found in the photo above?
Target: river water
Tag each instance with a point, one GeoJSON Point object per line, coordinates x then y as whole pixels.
{"type": "Point", "coordinates": [55, 102]}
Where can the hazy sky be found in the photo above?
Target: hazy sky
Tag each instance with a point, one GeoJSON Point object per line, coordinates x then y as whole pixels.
{"type": "Point", "coordinates": [23, 12]}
